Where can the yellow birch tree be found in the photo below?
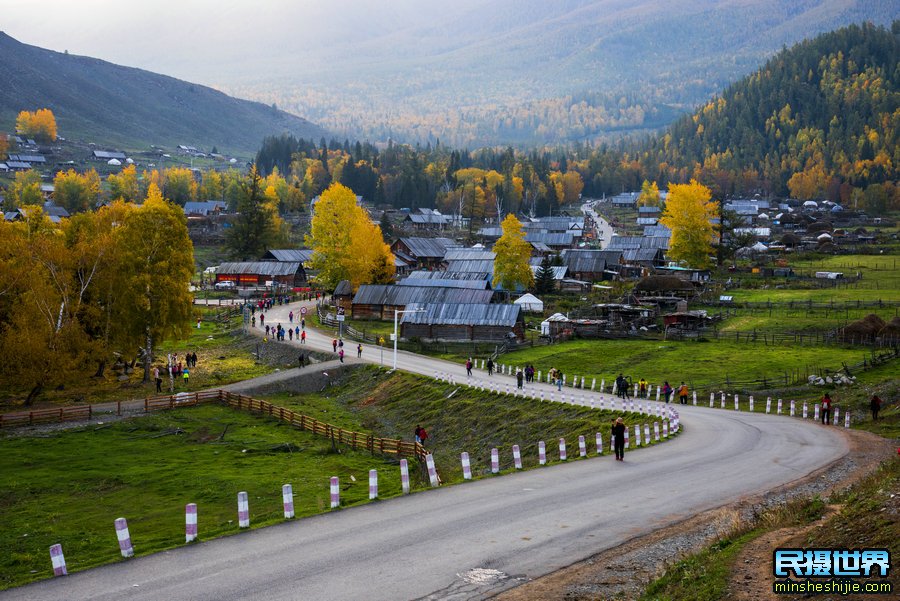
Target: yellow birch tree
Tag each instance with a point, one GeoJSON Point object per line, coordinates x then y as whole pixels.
{"type": "Point", "coordinates": [689, 213]}
{"type": "Point", "coordinates": [511, 266]}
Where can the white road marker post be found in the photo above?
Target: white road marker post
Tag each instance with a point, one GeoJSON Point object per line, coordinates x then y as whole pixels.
{"type": "Point", "coordinates": [599, 441]}
{"type": "Point", "coordinates": [432, 473]}
{"type": "Point", "coordinates": [190, 522]}
{"type": "Point", "coordinates": [124, 537]}
{"type": "Point", "coordinates": [582, 447]}
{"type": "Point", "coordinates": [404, 476]}
{"type": "Point", "coordinates": [58, 560]}
{"type": "Point", "coordinates": [466, 466]}
{"type": "Point", "coordinates": [542, 453]}
{"type": "Point", "coordinates": [495, 461]}
{"type": "Point", "coordinates": [373, 484]}
{"type": "Point", "coordinates": [287, 497]}
{"type": "Point", "coordinates": [335, 492]}
{"type": "Point", "coordinates": [562, 449]}
{"type": "Point", "coordinates": [517, 457]}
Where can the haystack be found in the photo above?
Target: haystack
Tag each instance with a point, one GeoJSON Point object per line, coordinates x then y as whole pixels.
{"type": "Point", "coordinates": [891, 331]}
{"type": "Point", "coordinates": [864, 329]}
{"type": "Point", "coordinates": [661, 283]}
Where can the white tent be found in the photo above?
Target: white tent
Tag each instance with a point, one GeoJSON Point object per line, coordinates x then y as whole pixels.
{"type": "Point", "coordinates": [545, 325]}
{"type": "Point", "coordinates": [529, 302]}
{"type": "Point", "coordinates": [759, 247]}
{"type": "Point", "coordinates": [114, 162]}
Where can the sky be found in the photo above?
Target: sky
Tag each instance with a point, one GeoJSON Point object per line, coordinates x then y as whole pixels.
{"type": "Point", "coordinates": [206, 40]}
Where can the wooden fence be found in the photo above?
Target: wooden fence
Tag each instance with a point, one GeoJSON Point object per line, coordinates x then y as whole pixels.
{"type": "Point", "coordinates": [356, 440]}
{"type": "Point", "coordinates": [44, 416]}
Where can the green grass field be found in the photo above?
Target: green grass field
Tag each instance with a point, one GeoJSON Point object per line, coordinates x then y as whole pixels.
{"type": "Point", "coordinates": [69, 486]}
{"type": "Point", "coordinates": [880, 281]}
{"type": "Point", "coordinates": [697, 363]}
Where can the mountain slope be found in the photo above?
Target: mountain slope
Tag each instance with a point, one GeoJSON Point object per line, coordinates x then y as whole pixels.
{"type": "Point", "coordinates": [532, 72]}
{"type": "Point", "coordinates": [827, 109]}
{"type": "Point", "coordinates": [115, 105]}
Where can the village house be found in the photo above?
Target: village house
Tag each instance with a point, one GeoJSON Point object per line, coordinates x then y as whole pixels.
{"type": "Point", "coordinates": [422, 253]}
{"type": "Point", "coordinates": [463, 322]}
{"type": "Point", "coordinates": [263, 273]}
{"type": "Point", "coordinates": [380, 301]}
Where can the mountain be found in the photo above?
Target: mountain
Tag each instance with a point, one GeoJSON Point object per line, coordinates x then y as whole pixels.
{"type": "Point", "coordinates": [819, 119]}
{"type": "Point", "coordinates": [121, 106]}
{"type": "Point", "coordinates": [529, 72]}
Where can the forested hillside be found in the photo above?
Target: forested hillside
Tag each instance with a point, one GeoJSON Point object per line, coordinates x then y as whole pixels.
{"type": "Point", "coordinates": [818, 120]}
{"type": "Point", "coordinates": [822, 118]}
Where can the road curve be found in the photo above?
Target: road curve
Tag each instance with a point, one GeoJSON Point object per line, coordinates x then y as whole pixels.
{"type": "Point", "coordinates": [522, 525]}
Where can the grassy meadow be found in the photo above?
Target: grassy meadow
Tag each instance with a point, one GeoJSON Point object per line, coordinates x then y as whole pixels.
{"type": "Point", "coordinates": [68, 486]}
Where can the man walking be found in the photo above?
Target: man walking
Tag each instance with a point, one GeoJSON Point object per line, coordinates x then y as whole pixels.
{"type": "Point", "coordinates": [157, 378]}
{"type": "Point", "coordinates": [875, 405]}
{"type": "Point", "coordinates": [490, 367]}
{"type": "Point", "coordinates": [618, 434]}
{"type": "Point", "coordinates": [683, 393]}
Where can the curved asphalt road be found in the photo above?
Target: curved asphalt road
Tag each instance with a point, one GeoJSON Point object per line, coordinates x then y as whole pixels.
{"type": "Point", "coordinates": [522, 525]}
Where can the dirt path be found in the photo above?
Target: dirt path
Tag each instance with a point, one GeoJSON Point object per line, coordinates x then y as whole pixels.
{"type": "Point", "coordinates": [624, 572]}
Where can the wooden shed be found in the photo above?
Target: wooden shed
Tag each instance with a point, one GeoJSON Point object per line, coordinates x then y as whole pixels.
{"type": "Point", "coordinates": [463, 322]}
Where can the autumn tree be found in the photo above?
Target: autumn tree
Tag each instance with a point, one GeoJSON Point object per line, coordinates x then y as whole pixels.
{"type": "Point", "coordinates": [153, 243]}
{"type": "Point", "coordinates": [180, 186]}
{"type": "Point", "coordinates": [24, 190]}
{"type": "Point", "coordinates": [75, 191]}
{"type": "Point", "coordinates": [124, 184]}
{"type": "Point", "coordinates": [346, 244]}
{"type": "Point", "coordinates": [511, 266]}
{"type": "Point", "coordinates": [40, 125]}
{"type": "Point", "coordinates": [689, 213]}
{"type": "Point", "coordinates": [4, 146]}
{"type": "Point", "coordinates": [649, 196]}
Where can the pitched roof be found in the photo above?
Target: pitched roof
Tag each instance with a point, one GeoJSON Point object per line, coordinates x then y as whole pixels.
{"type": "Point", "coordinates": [468, 254]}
{"type": "Point", "coordinates": [471, 266]}
{"type": "Point", "coordinates": [550, 239]}
{"type": "Point", "coordinates": [430, 248]}
{"type": "Point", "coordinates": [389, 294]}
{"type": "Point", "coordinates": [299, 255]}
{"type": "Point", "coordinates": [559, 271]}
{"type": "Point", "coordinates": [638, 255]}
{"type": "Point", "coordinates": [428, 219]}
{"type": "Point", "coordinates": [28, 158]}
{"type": "Point", "coordinates": [106, 154]}
{"type": "Point", "coordinates": [343, 288]}
{"type": "Point", "coordinates": [203, 207]}
{"type": "Point", "coordinates": [272, 268]}
{"type": "Point", "coordinates": [470, 284]}
{"type": "Point", "coordinates": [581, 261]}
{"type": "Point", "coordinates": [463, 314]}
{"type": "Point", "coordinates": [445, 275]}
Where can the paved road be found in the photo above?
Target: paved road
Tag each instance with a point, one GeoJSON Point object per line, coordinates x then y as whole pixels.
{"type": "Point", "coordinates": [521, 525]}
{"type": "Point", "coordinates": [602, 229]}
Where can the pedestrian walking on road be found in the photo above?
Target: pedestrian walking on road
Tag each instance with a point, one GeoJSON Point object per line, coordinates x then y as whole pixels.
{"type": "Point", "coordinates": [297, 332]}
{"type": "Point", "coordinates": [291, 317]}
{"type": "Point", "coordinates": [667, 391]}
{"type": "Point", "coordinates": [683, 393]}
{"type": "Point", "coordinates": [618, 434]}
{"type": "Point", "coordinates": [875, 405]}
{"type": "Point", "coordinates": [262, 321]}
{"type": "Point", "coordinates": [826, 409]}
{"type": "Point", "coordinates": [290, 335]}
{"type": "Point", "coordinates": [303, 323]}
{"type": "Point", "coordinates": [642, 388]}
{"type": "Point", "coordinates": [303, 337]}
{"type": "Point", "coordinates": [490, 367]}
{"type": "Point", "coordinates": [301, 360]}
{"type": "Point", "coordinates": [267, 331]}
{"type": "Point", "coordinates": [341, 355]}
{"type": "Point", "coordinates": [469, 367]}
{"type": "Point", "coordinates": [559, 380]}
{"type": "Point", "coordinates": [334, 344]}
{"type": "Point", "coordinates": [520, 376]}
{"type": "Point", "coordinates": [358, 351]}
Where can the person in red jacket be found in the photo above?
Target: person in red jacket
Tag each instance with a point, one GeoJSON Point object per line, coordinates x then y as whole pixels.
{"type": "Point", "coordinates": [826, 409]}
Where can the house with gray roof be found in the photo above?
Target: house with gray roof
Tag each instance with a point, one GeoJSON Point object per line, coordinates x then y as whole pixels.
{"type": "Point", "coordinates": [463, 322]}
